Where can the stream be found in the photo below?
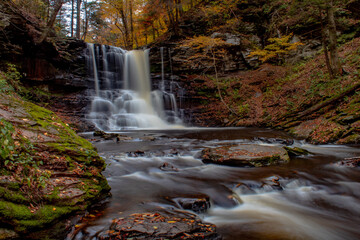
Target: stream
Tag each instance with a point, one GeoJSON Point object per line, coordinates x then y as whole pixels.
{"type": "Point", "coordinates": [310, 198]}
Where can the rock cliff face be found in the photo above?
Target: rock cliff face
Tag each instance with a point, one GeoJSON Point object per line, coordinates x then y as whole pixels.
{"type": "Point", "coordinates": [56, 66]}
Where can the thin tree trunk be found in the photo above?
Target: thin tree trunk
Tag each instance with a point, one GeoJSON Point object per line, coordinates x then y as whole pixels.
{"type": "Point", "coordinates": [126, 28]}
{"type": "Point", "coordinates": [48, 10]}
{"type": "Point", "coordinates": [176, 11]}
{"type": "Point", "coordinates": [72, 18]}
{"type": "Point", "coordinates": [323, 41]}
{"type": "Point", "coordinates": [78, 18]}
{"type": "Point", "coordinates": [153, 32]}
{"type": "Point", "coordinates": [86, 23]}
{"type": "Point", "coordinates": [131, 23]}
{"type": "Point", "coordinates": [218, 85]}
{"type": "Point", "coordinates": [136, 40]}
{"type": "Point", "coordinates": [51, 22]}
{"type": "Point", "coordinates": [146, 37]}
{"type": "Point", "coordinates": [334, 57]}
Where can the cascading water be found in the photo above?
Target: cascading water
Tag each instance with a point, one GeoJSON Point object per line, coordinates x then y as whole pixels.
{"type": "Point", "coordinates": [123, 98]}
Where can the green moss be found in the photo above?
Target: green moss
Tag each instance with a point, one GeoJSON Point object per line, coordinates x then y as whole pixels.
{"type": "Point", "coordinates": [24, 220]}
{"type": "Point", "coordinates": [12, 196]}
{"type": "Point", "coordinates": [296, 151]}
{"type": "Point", "coordinates": [14, 186]}
{"type": "Point", "coordinates": [54, 196]}
{"type": "Point", "coordinates": [352, 139]}
{"type": "Point", "coordinates": [44, 216]}
{"type": "Point", "coordinates": [12, 211]}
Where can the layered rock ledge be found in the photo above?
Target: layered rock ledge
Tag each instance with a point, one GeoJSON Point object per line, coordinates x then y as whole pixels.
{"type": "Point", "coordinates": [47, 172]}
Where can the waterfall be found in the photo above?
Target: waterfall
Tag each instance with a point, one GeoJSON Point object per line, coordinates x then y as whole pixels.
{"type": "Point", "coordinates": [162, 69]}
{"type": "Point", "coordinates": [93, 67]}
{"type": "Point", "coordinates": [123, 97]}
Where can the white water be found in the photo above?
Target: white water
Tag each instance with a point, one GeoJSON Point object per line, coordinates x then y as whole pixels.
{"type": "Point", "coordinates": [133, 105]}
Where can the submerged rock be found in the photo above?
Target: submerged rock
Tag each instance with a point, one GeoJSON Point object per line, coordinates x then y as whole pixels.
{"type": "Point", "coordinates": [168, 167]}
{"type": "Point", "coordinates": [245, 155]}
{"type": "Point", "coordinates": [160, 226]}
{"type": "Point", "coordinates": [198, 205]}
{"type": "Point", "coordinates": [349, 162]}
{"type": "Point", "coordinates": [296, 151]}
{"type": "Point", "coordinates": [111, 136]}
{"type": "Point", "coordinates": [286, 142]}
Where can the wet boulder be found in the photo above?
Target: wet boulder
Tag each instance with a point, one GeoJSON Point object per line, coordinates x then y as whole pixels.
{"type": "Point", "coordinates": [349, 162]}
{"type": "Point", "coordinates": [245, 155]}
{"type": "Point", "coordinates": [198, 205]}
{"type": "Point", "coordinates": [296, 151]}
{"type": "Point", "coordinates": [160, 226]}
{"type": "Point", "coordinates": [111, 136]}
{"type": "Point", "coordinates": [286, 142]}
{"type": "Point", "coordinates": [168, 167]}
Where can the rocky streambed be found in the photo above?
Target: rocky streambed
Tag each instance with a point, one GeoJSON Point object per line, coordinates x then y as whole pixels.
{"type": "Point", "coordinates": [165, 187]}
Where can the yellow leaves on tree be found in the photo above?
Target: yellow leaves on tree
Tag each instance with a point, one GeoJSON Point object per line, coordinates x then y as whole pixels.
{"type": "Point", "coordinates": [204, 42]}
{"type": "Point", "coordinates": [277, 49]}
{"type": "Point", "coordinates": [206, 48]}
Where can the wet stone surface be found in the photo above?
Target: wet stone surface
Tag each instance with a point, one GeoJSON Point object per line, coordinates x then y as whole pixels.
{"type": "Point", "coordinates": [159, 226]}
{"type": "Point", "coordinates": [245, 155]}
{"type": "Point", "coordinates": [349, 162]}
{"type": "Point", "coordinates": [198, 205]}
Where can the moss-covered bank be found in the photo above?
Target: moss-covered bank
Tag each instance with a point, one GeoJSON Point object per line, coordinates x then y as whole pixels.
{"type": "Point", "coordinates": [47, 171]}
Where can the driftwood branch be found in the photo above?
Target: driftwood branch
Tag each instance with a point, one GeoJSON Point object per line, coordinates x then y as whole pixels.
{"type": "Point", "coordinates": [329, 101]}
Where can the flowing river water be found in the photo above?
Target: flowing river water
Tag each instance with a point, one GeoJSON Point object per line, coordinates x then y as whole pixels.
{"type": "Point", "coordinates": [313, 198]}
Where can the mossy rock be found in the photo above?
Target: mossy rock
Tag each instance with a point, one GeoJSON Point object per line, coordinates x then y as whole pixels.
{"type": "Point", "coordinates": [53, 142]}
{"type": "Point", "coordinates": [296, 151]}
{"type": "Point", "coordinates": [351, 139]}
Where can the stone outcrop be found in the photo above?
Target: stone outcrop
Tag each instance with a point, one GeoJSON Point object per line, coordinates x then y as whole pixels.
{"type": "Point", "coordinates": [245, 155]}
{"type": "Point", "coordinates": [47, 171]}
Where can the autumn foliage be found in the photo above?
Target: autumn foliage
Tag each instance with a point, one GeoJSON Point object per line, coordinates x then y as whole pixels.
{"type": "Point", "coordinates": [277, 49]}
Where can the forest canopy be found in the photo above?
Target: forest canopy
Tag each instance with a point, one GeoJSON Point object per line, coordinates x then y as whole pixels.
{"type": "Point", "coordinates": [135, 23]}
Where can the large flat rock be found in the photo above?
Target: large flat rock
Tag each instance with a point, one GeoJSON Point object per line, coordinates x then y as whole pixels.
{"type": "Point", "coordinates": [159, 226]}
{"type": "Point", "coordinates": [245, 155]}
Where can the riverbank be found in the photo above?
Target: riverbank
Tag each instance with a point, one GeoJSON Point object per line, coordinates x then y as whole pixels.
{"type": "Point", "coordinates": [47, 171]}
{"type": "Point", "coordinates": [301, 99]}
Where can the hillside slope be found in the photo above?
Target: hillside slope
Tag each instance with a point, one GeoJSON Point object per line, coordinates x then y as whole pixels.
{"type": "Point", "coordinates": [302, 99]}
{"type": "Point", "coordinates": [230, 87]}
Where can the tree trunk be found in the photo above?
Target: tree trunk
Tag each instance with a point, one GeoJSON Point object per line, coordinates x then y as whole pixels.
{"type": "Point", "coordinates": [146, 37]}
{"type": "Point", "coordinates": [48, 10]}
{"type": "Point", "coordinates": [334, 57]}
{"type": "Point", "coordinates": [153, 32]}
{"type": "Point", "coordinates": [72, 18]}
{"type": "Point", "coordinates": [86, 23]}
{"type": "Point", "coordinates": [78, 18]}
{"type": "Point", "coordinates": [131, 23]}
{"type": "Point", "coordinates": [50, 24]}
{"type": "Point", "coordinates": [323, 41]}
{"type": "Point", "coordinates": [126, 28]}
{"type": "Point", "coordinates": [176, 12]}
